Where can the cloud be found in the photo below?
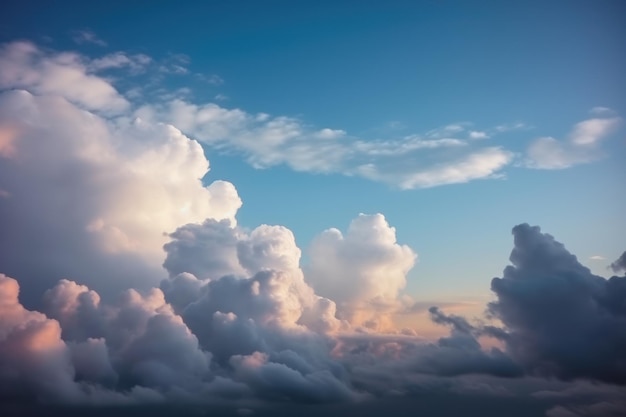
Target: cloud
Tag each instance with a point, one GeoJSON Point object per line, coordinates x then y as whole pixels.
{"type": "Point", "coordinates": [597, 258]}
{"type": "Point", "coordinates": [581, 146]}
{"type": "Point", "coordinates": [485, 163]}
{"type": "Point", "coordinates": [33, 358]}
{"type": "Point", "coordinates": [560, 319]}
{"type": "Point", "coordinates": [619, 264]}
{"type": "Point", "coordinates": [266, 141]}
{"type": "Point", "coordinates": [111, 188]}
{"type": "Point", "coordinates": [87, 37]}
{"type": "Point", "coordinates": [362, 271]}
{"type": "Point", "coordinates": [24, 65]}
{"type": "Point", "coordinates": [604, 111]}
{"type": "Point", "coordinates": [136, 63]}
{"type": "Point", "coordinates": [262, 140]}
{"type": "Point", "coordinates": [477, 134]}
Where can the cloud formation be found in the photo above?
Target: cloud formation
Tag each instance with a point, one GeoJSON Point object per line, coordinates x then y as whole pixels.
{"type": "Point", "coordinates": [139, 287]}
{"type": "Point", "coordinates": [560, 319]}
{"type": "Point", "coordinates": [581, 146]}
{"type": "Point", "coordinates": [619, 265]}
{"type": "Point", "coordinates": [111, 188]}
{"type": "Point", "coordinates": [363, 271]}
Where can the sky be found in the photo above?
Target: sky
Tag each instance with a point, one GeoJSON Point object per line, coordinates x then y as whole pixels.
{"type": "Point", "coordinates": [260, 207]}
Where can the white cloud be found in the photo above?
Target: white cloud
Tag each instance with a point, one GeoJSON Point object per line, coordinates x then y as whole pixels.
{"type": "Point", "coordinates": [23, 65]}
{"type": "Point", "coordinates": [266, 141]}
{"type": "Point", "coordinates": [589, 132]}
{"type": "Point", "coordinates": [581, 145]}
{"type": "Point", "coordinates": [477, 134]}
{"type": "Point", "coordinates": [485, 163]}
{"type": "Point", "coordinates": [113, 188]}
{"type": "Point", "coordinates": [363, 270]}
{"type": "Point", "coordinates": [136, 63]}
{"type": "Point", "coordinates": [602, 111]}
{"type": "Point", "coordinates": [597, 258]}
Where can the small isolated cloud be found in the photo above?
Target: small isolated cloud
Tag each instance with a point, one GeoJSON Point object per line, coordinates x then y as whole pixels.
{"type": "Point", "coordinates": [602, 111]}
{"type": "Point", "coordinates": [136, 63]}
{"type": "Point", "coordinates": [510, 127]}
{"type": "Point", "coordinates": [447, 131]}
{"type": "Point", "coordinates": [212, 79]}
{"type": "Point", "coordinates": [220, 97]}
{"type": "Point", "coordinates": [477, 134]}
{"type": "Point", "coordinates": [82, 37]}
{"type": "Point", "coordinates": [581, 145]}
{"type": "Point", "coordinates": [177, 64]}
{"type": "Point", "coordinates": [597, 258]}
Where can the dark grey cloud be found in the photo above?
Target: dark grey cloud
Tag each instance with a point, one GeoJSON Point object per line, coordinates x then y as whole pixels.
{"type": "Point", "coordinates": [620, 264]}
{"type": "Point", "coordinates": [560, 319]}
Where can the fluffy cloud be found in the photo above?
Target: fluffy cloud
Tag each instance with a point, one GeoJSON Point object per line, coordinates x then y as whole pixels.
{"type": "Point", "coordinates": [560, 319]}
{"type": "Point", "coordinates": [581, 146]}
{"type": "Point", "coordinates": [111, 188]}
{"type": "Point", "coordinates": [23, 65]}
{"type": "Point", "coordinates": [33, 358]}
{"type": "Point", "coordinates": [362, 271]}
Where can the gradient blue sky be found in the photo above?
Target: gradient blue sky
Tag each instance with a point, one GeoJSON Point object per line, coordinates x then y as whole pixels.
{"type": "Point", "coordinates": [387, 70]}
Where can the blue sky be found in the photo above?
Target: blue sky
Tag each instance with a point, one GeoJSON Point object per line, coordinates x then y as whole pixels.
{"type": "Point", "coordinates": [384, 72]}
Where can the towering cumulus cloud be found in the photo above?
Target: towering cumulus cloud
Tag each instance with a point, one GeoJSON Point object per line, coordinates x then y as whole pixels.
{"type": "Point", "coordinates": [87, 195]}
{"type": "Point", "coordinates": [363, 271]}
{"type": "Point", "coordinates": [561, 320]}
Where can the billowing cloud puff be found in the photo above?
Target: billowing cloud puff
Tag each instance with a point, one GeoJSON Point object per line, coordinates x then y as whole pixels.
{"type": "Point", "coordinates": [362, 271]}
{"type": "Point", "coordinates": [111, 188]}
{"type": "Point", "coordinates": [560, 319]}
{"type": "Point", "coordinates": [34, 361]}
{"type": "Point", "coordinates": [253, 275]}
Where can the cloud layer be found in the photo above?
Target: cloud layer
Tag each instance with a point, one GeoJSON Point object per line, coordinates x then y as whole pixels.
{"type": "Point", "coordinates": [129, 281]}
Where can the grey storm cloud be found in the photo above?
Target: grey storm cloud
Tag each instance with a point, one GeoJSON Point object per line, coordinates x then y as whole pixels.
{"type": "Point", "coordinates": [620, 264]}
{"type": "Point", "coordinates": [560, 319]}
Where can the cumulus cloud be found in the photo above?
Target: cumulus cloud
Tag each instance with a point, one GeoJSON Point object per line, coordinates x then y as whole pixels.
{"type": "Point", "coordinates": [33, 358]}
{"type": "Point", "coordinates": [362, 271]}
{"type": "Point", "coordinates": [85, 191]}
{"type": "Point", "coordinates": [582, 144]}
{"type": "Point", "coordinates": [560, 319]}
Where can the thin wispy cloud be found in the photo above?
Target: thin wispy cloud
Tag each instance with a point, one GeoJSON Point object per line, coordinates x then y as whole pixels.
{"type": "Point", "coordinates": [85, 36]}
